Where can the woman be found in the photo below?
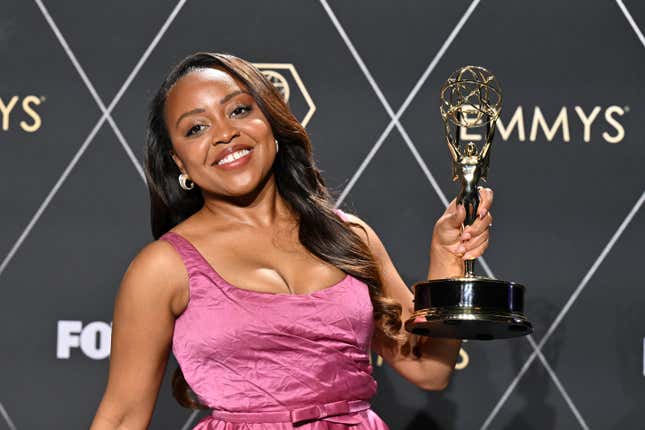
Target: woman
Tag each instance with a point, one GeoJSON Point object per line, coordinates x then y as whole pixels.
{"type": "Point", "coordinates": [269, 298]}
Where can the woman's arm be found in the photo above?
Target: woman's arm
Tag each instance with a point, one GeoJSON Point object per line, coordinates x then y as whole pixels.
{"type": "Point", "coordinates": [429, 362]}
{"type": "Point", "coordinates": [142, 330]}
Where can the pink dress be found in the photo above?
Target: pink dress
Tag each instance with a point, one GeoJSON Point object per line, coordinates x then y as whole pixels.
{"type": "Point", "coordinates": [276, 361]}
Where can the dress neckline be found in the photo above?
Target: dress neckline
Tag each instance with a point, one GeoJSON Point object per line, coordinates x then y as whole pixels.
{"type": "Point", "coordinates": [237, 289]}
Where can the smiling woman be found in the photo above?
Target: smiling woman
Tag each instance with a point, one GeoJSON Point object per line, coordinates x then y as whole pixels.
{"type": "Point", "coordinates": [269, 298]}
{"type": "Point", "coordinates": [218, 125]}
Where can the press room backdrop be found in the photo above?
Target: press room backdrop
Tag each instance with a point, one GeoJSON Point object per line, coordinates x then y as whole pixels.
{"type": "Point", "coordinates": [567, 170]}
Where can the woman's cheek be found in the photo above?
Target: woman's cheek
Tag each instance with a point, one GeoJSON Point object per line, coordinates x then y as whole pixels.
{"type": "Point", "coordinates": [260, 127]}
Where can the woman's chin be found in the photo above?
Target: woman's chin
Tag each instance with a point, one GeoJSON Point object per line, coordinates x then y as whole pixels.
{"type": "Point", "coordinates": [237, 192]}
{"type": "Point", "coordinates": [241, 186]}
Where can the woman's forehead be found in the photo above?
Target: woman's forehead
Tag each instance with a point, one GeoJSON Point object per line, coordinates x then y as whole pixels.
{"type": "Point", "coordinates": [206, 78]}
{"type": "Point", "coordinates": [199, 88]}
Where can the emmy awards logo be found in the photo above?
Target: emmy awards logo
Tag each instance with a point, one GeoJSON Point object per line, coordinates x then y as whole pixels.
{"type": "Point", "coordinates": [469, 307]}
{"type": "Point", "coordinates": [279, 82]}
{"type": "Point", "coordinates": [11, 113]}
{"type": "Point", "coordinates": [285, 77]}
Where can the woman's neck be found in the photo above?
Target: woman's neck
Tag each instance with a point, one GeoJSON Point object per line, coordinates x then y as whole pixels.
{"type": "Point", "coordinates": [262, 208]}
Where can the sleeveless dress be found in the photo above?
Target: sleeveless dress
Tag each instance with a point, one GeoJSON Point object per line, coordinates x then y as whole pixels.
{"type": "Point", "coordinates": [266, 361]}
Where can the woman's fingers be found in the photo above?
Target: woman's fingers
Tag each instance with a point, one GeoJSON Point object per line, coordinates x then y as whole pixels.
{"type": "Point", "coordinates": [485, 201]}
{"type": "Point", "coordinates": [477, 250]}
{"type": "Point", "coordinates": [478, 227]}
{"type": "Point", "coordinates": [483, 219]}
{"type": "Point", "coordinates": [476, 237]}
{"type": "Point", "coordinates": [473, 239]}
{"type": "Point", "coordinates": [474, 243]}
{"type": "Point", "coordinates": [456, 213]}
{"type": "Point", "coordinates": [447, 230]}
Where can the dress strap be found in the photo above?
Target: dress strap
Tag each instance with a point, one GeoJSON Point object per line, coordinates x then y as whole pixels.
{"type": "Point", "coordinates": [343, 411]}
{"type": "Point", "coordinates": [342, 215]}
{"type": "Point", "coordinates": [191, 257]}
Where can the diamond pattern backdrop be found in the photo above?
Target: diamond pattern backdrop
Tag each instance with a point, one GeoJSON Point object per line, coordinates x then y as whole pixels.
{"type": "Point", "coordinates": [74, 91]}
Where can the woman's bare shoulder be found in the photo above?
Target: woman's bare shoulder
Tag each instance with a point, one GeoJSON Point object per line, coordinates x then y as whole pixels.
{"type": "Point", "coordinates": [158, 254]}
{"type": "Point", "coordinates": [369, 236]}
{"type": "Point", "coordinates": [157, 269]}
{"type": "Point", "coordinates": [361, 227]}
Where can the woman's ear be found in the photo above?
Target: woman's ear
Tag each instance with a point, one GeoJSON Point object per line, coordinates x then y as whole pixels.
{"type": "Point", "coordinates": [177, 161]}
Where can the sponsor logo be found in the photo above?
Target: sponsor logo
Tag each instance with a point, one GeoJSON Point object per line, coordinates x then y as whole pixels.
{"type": "Point", "coordinates": [568, 124]}
{"type": "Point", "coordinates": [20, 113]}
{"type": "Point", "coordinates": [93, 339]}
{"type": "Point", "coordinates": [280, 75]}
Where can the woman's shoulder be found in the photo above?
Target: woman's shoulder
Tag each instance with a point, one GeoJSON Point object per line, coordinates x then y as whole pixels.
{"type": "Point", "coordinates": [159, 254]}
{"type": "Point", "coordinates": [367, 233]}
{"type": "Point", "coordinates": [357, 224]}
{"type": "Point", "coordinates": [157, 270]}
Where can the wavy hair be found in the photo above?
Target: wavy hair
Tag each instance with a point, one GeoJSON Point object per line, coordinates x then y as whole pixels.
{"type": "Point", "coordinates": [297, 178]}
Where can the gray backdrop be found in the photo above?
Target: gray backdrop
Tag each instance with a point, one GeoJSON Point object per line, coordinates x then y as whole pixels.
{"type": "Point", "coordinates": [75, 83]}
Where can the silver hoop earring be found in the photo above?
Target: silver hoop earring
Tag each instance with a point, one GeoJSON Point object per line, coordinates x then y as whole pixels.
{"type": "Point", "coordinates": [277, 147]}
{"type": "Point", "coordinates": [182, 182]}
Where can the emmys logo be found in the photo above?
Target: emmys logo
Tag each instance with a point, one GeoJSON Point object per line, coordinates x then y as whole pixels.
{"type": "Point", "coordinates": [280, 75]}
{"type": "Point", "coordinates": [12, 109]}
{"type": "Point", "coordinates": [535, 125]}
{"type": "Point", "coordinates": [93, 339]}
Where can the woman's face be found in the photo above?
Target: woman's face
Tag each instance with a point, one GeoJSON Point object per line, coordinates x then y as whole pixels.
{"type": "Point", "coordinates": [220, 137]}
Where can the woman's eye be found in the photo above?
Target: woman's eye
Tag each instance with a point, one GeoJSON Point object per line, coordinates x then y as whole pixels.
{"type": "Point", "coordinates": [194, 129]}
{"type": "Point", "coordinates": [241, 110]}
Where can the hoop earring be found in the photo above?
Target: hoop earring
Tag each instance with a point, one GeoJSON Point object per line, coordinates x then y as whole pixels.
{"type": "Point", "coordinates": [277, 147]}
{"type": "Point", "coordinates": [182, 182]}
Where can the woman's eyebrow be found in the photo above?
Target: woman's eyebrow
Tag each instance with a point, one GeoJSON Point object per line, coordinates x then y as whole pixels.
{"type": "Point", "coordinates": [200, 110]}
{"type": "Point", "coordinates": [231, 95]}
{"type": "Point", "coordinates": [190, 112]}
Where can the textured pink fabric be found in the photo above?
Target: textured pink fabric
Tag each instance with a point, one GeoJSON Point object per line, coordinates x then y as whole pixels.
{"type": "Point", "coordinates": [276, 361]}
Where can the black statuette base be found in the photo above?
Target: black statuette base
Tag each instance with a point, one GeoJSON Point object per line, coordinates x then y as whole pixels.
{"type": "Point", "coordinates": [469, 308]}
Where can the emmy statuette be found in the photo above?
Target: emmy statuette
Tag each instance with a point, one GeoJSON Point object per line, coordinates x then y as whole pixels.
{"type": "Point", "coordinates": [469, 307]}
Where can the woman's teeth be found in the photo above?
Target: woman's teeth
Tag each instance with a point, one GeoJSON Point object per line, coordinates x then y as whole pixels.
{"type": "Point", "coordinates": [232, 157]}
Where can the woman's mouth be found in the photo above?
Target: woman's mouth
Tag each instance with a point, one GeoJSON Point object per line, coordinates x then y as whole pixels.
{"type": "Point", "coordinates": [235, 159]}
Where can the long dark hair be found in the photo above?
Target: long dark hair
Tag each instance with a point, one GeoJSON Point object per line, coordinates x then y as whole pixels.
{"type": "Point", "coordinates": [297, 178]}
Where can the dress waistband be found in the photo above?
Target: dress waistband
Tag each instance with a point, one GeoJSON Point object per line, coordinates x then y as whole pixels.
{"type": "Point", "coordinates": [339, 412]}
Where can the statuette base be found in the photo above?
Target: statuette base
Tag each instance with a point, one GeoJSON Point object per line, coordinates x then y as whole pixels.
{"type": "Point", "coordinates": [469, 308]}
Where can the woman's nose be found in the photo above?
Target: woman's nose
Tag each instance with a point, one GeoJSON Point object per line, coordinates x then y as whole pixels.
{"type": "Point", "coordinates": [226, 133]}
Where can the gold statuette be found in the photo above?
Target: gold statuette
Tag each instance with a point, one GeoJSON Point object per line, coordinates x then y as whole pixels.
{"type": "Point", "coordinates": [470, 307]}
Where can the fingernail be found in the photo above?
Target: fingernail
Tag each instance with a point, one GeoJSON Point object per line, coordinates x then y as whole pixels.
{"type": "Point", "coordinates": [465, 236]}
{"type": "Point", "coordinates": [482, 213]}
{"type": "Point", "coordinates": [461, 249]}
